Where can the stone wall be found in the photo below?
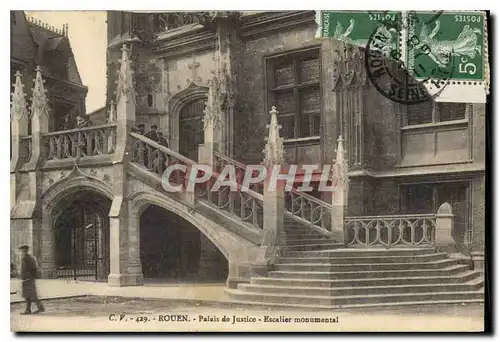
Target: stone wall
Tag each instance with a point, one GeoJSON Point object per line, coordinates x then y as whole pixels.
{"type": "Point", "coordinates": [251, 114]}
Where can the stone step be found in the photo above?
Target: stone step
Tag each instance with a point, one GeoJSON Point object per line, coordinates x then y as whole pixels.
{"type": "Point", "coordinates": [320, 241]}
{"type": "Point", "coordinates": [363, 259]}
{"type": "Point", "coordinates": [289, 282]}
{"type": "Point", "coordinates": [282, 305]}
{"type": "Point", "coordinates": [379, 299]}
{"type": "Point", "coordinates": [451, 270]}
{"type": "Point", "coordinates": [356, 252]}
{"type": "Point", "coordinates": [365, 267]}
{"type": "Point", "coordinates": [307, 236]}
{"type": "Point", "coordinates": [312, 247]}
{"type": "Point", "coordinates": [431, 286]}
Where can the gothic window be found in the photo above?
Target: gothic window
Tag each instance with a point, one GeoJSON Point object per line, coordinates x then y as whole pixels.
{"type": "Point", "coordinates": [433, 112]}
{"type": "Point", "coordinates": [294, 88]}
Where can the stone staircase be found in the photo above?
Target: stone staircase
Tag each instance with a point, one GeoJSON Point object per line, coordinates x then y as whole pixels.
{"type": "Point", "coordinates": [317, 272]}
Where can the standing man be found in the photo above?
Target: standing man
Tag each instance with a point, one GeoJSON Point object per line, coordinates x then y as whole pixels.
{"type": "Point", "coordinates": [152, 134]}
{"type": "Point", "coordinates": [28, 274]}
{"type": "Point", "coordinates": [161, 139]}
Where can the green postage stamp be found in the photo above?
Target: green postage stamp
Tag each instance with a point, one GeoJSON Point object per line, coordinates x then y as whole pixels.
{"type": "Point", "coordinates": [423, 41]}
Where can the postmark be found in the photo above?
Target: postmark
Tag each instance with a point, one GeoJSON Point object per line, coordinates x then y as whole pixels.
{"type": "Point", "coordinates": [390, 75]}
{"type": "Point", "coordinates": [442, 50]}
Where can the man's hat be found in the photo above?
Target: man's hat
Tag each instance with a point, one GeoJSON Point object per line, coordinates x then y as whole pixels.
{"type": "Point", "coordinates": [140, 125]}
{"type": "Point", "coordinates": [154, 126]}
{"type": "Point", "coordinates": [23, 247]}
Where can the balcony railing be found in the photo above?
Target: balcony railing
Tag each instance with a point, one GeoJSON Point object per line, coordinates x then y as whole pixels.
{"type": "Point", "coordinates": [81, 142]}
{"type": "Point", "coordinates": [388, 231]}
{"type": "Point", "coordinates": [309, 208]}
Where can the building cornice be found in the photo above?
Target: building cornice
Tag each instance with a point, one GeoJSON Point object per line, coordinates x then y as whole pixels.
{"type": "Point", "coordinates": [260, 24]}
{"type": "Point", "coordinates": [419, 171]}
{"type": "Point", "coordinates": [194, 38]}
{"type": "Point", "coordinates": [184, 41]}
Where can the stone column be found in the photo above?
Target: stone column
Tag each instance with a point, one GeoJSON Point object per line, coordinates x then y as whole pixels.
{"type": "Point", "coordinates": [44, 243]}
{"type": "Point", "coordinates": [339, 195]}
{"type": "Point", "coordinates": [39, 120]}
{"type": "Point", "coordinates": [19, 123]}
{"type": "Point", "coordinates": [444, 240]}
{"type": "Point", "coordinates": [211, 124]}
{"type": "Point", "coordinates": [125, 261]}
{"type": "Point", "coordinates": [274, 203]}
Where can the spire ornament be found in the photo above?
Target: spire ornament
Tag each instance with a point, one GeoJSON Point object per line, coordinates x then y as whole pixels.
{"type": "Point", "coordinates": [273, 151]}
{"type": "Point", "coordinates": [39, 103]}
{"type": "Point", "coordinates": [19, 109]}
{"type": "Point", "coordinates": [125, 83]}
{"type": "Point", "coordinates": [341, 167]}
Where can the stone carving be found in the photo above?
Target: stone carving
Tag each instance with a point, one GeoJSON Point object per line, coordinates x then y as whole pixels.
{"type": "Point", "coordinates": [273, 151]}
{"type": "Point", "coordinates": [106, 178]}
{"type": "Point", "coordinates": [125, 77]}
{"type": "Point", "coordinates": [348, 67]}
{"type": "Point", "coordinates": [193, 66]}
{"type": "Point", "coordinates": [112, 113]}
{"type": "Point", "coordinates": [39, 101]}
{"type": "Point", "coordinates": [19, 109]}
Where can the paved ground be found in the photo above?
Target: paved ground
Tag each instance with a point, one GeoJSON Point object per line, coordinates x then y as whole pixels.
{"type": "Point", "coordinates": [57, 288]}
{"type": "Point", "coordinates": [92, 313]}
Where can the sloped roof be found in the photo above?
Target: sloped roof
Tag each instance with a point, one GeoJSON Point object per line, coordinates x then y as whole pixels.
{"type": "Point", "coordinates": [29, 40]}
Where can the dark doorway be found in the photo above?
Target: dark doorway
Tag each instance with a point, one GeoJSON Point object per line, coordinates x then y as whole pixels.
{"type": "Point", "coordinates": [191, 128]}
{"type": "Point", "coordinates": [82, 237]}
{"type": "Point", "coordinates": [425, 198]}
{"type": "Point", "coordinates": [172, 249]}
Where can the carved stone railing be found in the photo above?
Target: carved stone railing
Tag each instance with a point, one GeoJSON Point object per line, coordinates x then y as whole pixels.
{"type": "Point", "coordinates": [309, 208]}
{"type": "Point", "coordinates": [170, 20]}
{"type": "Point", "coordinates": [301, 206]}
{"type": "Point", "coordinates": [81, 142]}
{"type": "Point", "coordinates": [156, 157]}
{"type": "Point", "coordinates": [246, 205]}
{"type": "Point", "coordinates": [221, 161]}
{"type": "Point", "coordinates": [389, 231]}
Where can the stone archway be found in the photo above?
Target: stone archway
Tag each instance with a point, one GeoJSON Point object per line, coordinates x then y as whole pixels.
{"type": "Point", "coordinates": [81, 236]}
{"type": "Point", "coordinates": [61, 235]}
{"type": "Point", "coordinates": [174, 250]}
{"type": "Point", "coordinates": [192, 93]}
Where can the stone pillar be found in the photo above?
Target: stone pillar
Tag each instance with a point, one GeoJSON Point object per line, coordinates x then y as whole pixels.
{"type": "Point", "coordinates": [444, 240]}
{"type": "Point", "coordinates": [39, 119]}
{"type": "Point", "coordinates": [339, 196]}
{"type": "Point", "coordinates": [44, 243]}
{"type": "Point", "coordinates": [125, 105]}
{"type": "Point", "coordinates": [211, 124]}
{"type": "Point", "coordinates": [19, 123]}
{"type": "Point", "coordinates": [125, 261]}
{"type": "Point", "coordinates": [274, 203]}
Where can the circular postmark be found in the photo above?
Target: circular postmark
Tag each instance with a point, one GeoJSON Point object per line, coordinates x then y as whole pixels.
{"type": "Point", "coordinates": [397, 81]}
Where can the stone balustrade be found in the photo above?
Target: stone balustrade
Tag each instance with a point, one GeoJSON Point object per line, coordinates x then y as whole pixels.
{"type": "Point", "coordinates": [81, 142]}
{"type": "Point", "coordinates": [310, 209]}
{"type": "Point", "coordinates": [402, 230]}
